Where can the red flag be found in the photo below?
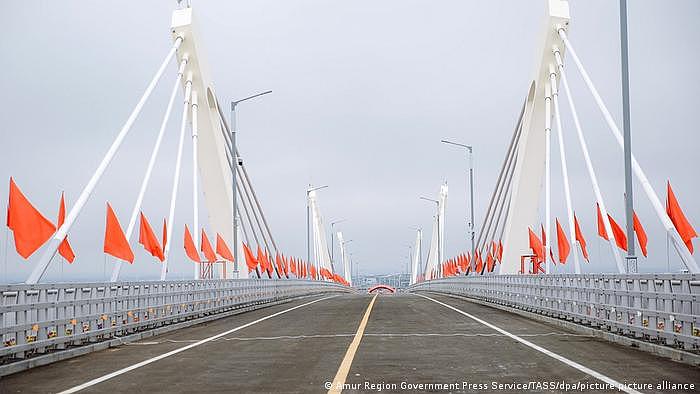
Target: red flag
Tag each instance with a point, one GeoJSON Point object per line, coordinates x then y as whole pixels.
{"type": "Point", "coordinates": [312, 269]}
{"type": "Point", "coordinates": [64, 249]}
{"type": "Point", "coordinates": [115, 243]}
{"type": "Point", "coordinates": [280, 266]}
{"type": "Point", "coordinates": [270, 266]}
{"type": "Point", "coordinates": [261, 259]}
{"type": "Point", "coordinates": [490, 264]}
{"type": "Point", "coordinates": [165, 233]}
{"type": "Point", "coordinates": [293, 266]}
{"type": "Point", "coordinates": [619, 234]}
{"type": "Point", "coordinates": [250, 260]}
{"type": "Point", "coordinates": [641, 234]}
{"type": "Point", "coordinates": [148, 239]}
{"type": "Point", "coordinates": [30, 228]}
{"type": "Point", "coordinates": [479, 263]}
{"type": "Point", "coordinates": [463, 263]}
{"type": "Point", "coordinates": [536, 245]}
{"type": "Point", "coordinates": [580, 239]}
{"type": "Point", "coordinates": [264, 262]}
{"type": "Point", "coordinates": [562, 243]}
{"type": "Point", "coordinates": [222, 249]}
{"type": "Point", "coordinates": [190, 247]}
{"type": "Point", "coordinates": [601, 224]}
{"type": "Point", "coordinates": [206, 248]}
{"type": "Point", "coordinates": [325, 273]}
{"type": "Point", "coordinates": [675, 213]}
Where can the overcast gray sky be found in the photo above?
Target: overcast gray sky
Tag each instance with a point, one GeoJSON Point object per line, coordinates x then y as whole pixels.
{"type": "Point", "coordinates": [363, 93]}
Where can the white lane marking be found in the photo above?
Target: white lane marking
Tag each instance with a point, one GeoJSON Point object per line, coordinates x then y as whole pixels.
{"type": "Point", "coordinates": [383, 335]}
{"type": "Point", "coordinates": [182, 349]}
{"type": "Point", "coordinates": [540, 349]}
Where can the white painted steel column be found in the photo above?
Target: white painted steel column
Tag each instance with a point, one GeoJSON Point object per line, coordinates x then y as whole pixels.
{"type": "Point", "coordinates": [149, 169]}
{"type": "Point", "coordinates": [53, 244]}
{"type": "Point", "coordinates": [564, 168]}
{"type": "Point", "coordinates": [195, 190]}
{"type": "Point", "coordinates": [547, 173]}
{"type": "Point", "coordinates": [678, 243]}
{"type": "Point", "coordinates": [589, 164]}
{"type": "Point", "coordinates": [416, 257]}
{"type": "Point", "coordinates": [176, 177]}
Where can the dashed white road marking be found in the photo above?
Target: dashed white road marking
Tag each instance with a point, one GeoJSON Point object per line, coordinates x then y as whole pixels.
{"type": "Point", "coordinates": [182, 349]}
{"type": "Point", "coordinates": [540, 349]}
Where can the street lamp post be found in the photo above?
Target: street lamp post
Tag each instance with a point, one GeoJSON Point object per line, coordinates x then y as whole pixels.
{"type": "Point", "coordinates": [342, 257]}
{"type": "Point", "coordinates": [333, 239]}
{"type": "Point", "coordinates": [439, 252]}
{"type": "Point", "coordinates": [629, 200]}
{"type": "Point", "coordinates": [470, 152]}
{"type": "Point", "coordinates": [420, 249]}
{"type": "Point", "coordinates": [235, 160]}
{"type": "Point", "coordinates": [308, 224]}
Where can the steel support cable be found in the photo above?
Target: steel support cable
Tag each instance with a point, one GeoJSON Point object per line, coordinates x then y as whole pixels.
{"type": "Point", "coordinates": [587, 160]}
{"type": "Point", "coordinates": [504, 201]}
{"type": "Point", "coordinates": [511, 149]}
{"type": "Point", "coordinates": [245, 181]}
{"type": "Point", "coordinates": [250, 224]}
{"type": "Point", "coordinates": [151, 163]}
{"type": "Point", "coordinates": [257, 203]}
{"type": "Point", "coordinates": [225, 132]}
{"type": "Point", "coordinates": [62, 231]}
{"type": "Point", "coordinates": [678, 243]}
{"type": "Point", "coordinates": [243, 173]}
{"type": "Point", "coordinates": [176, 175]}
{"type": "Point", "coordinates": [503, 195]}
{"type": "Point", "coordinates": [242, 186]}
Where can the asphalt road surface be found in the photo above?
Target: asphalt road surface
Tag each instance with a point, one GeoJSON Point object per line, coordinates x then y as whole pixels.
{"type": "Point", "coordinates": [402, 343]}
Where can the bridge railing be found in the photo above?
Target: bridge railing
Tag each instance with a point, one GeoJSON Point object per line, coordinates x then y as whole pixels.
{"type": "Point", "coordinates": [662, 308]}
{"type": "Point", "coordinates": [46, 317]}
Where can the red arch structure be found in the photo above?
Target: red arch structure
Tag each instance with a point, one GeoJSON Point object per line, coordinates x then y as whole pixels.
{"type": "Point", "coordinates": [381, 287]}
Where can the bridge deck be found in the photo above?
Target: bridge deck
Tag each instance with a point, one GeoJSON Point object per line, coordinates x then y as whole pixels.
{"type": "Point", "coordinates": [407, 338]}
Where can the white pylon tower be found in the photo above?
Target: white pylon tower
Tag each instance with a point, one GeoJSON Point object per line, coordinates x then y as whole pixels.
{"type": "Point", "coordinates": [347, 273]}
{"type": "Point", "coordinates": [322, 255]}
{"type": "Point", "coordinates": [437, 241]}
{"type": "Point", "coordinates": [415, 259]}
{"type": "Point", "coordinates": [527, 175]}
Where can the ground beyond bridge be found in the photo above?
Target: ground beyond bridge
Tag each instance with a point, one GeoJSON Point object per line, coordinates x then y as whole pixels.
{"type": "Point", "coordinates": [407, 339]}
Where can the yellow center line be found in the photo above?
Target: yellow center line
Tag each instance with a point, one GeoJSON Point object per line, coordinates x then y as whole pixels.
{"type": "Point", "coordinates": [344, 369]}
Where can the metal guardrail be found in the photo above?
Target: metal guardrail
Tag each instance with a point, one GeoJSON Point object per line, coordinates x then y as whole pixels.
{"type": "Point", "coordinates": [662, 308]}
{"type": "Point", "coordinates": [41, 318]}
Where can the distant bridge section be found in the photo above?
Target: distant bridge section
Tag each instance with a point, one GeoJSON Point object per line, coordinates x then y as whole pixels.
{"type": "Point", "coordinates": [381, 289]}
